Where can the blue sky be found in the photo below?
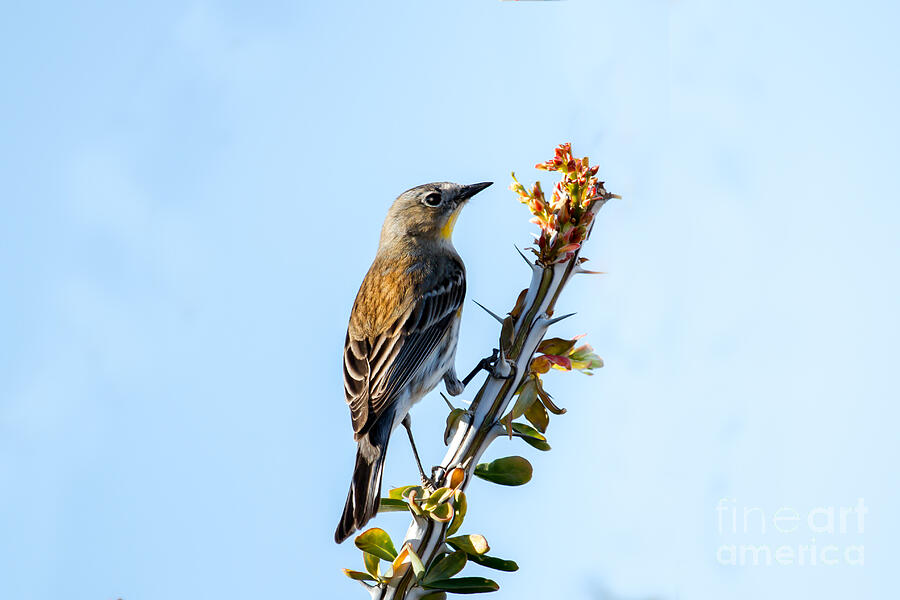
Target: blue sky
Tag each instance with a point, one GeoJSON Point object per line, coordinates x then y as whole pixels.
{"type": "Point", "coordinates": [193, 192]}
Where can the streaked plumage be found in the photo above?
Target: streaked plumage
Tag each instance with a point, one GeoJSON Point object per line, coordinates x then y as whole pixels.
{"type": "Point", "coordinates": [401, 339]}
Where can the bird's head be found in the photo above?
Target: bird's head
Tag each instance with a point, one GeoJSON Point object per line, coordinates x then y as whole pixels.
{"type": "Point", "coordinates": [428, 211]}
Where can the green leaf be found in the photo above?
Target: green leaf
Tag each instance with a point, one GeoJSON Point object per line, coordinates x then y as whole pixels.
{"type": "Point", "coordinates": [376, 541]}
{"type": "Point", "coordinates": [537, 416]}
{"type": "Point", "coordinates": [492, 562]}
{"type": "Point", "coordinates": [371, 561]}
{"type": "Point", "coordinates": [358, 575]}
{"type": "Point", "coordinates": [527, 395]}
{"type": "Point", "coordinates": [442, 512]}
{"type": "Point", "coordinates": [416, 563]}
{"type": "Point", "coordinates": [446, 567]}
{"type": "Point", "coordinates": [556, 346]}
{"type": "Point", "coordinates": [392, 505]}
{"type": "Point", "coordinates": [531, 435]}
{"type": "Point", "coordinates": [512, 470]}
{"type": "Point", "coordinates": [400, 492]}
{"type": "Point", "coordinates": [542, 446]}
{"type": "Point", "coordinates": [464, 585]}
{"type": "Point", "coordinates": [459, 513]}
{"type": "Point", "coordinates": [470, 544]}
{"type": "Point", "coordinates": [434, 596]}
{"type": "Point", "coordinates": [524, 430]}
{"type": "Point", "coordinates": [407, 556]}
{"type": "Point", "coordinates": [439, 496]}
{"type": "Point", "coordinates": [452, 420]}
{"type": "Point", "coordinates": [584, 359]}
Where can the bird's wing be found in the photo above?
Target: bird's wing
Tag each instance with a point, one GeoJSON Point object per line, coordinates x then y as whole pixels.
{"type": "Point", "coordinates": [377, 367]}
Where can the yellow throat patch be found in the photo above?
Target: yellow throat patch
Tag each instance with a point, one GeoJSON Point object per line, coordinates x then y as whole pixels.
{"type": "Point", "coordinates": [447, 229]}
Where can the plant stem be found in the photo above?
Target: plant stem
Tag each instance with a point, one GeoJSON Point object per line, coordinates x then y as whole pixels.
{"type": "Point", "coordinates": [476, 432]}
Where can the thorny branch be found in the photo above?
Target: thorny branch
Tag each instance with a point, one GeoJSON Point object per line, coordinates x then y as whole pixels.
{"type": "Point", "coordinates": [566, 222]}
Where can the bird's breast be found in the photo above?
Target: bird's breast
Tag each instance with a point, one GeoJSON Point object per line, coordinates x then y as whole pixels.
{"type": "Point", "coordinates": [429, 374]}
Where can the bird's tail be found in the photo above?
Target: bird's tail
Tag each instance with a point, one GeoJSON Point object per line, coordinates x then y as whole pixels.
{"type": "Point", "coordinates": [365, 488]}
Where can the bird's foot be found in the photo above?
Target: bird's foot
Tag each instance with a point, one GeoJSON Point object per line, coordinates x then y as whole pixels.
{"type": "Point", "coordinates": [484, 363]}
{"type": "Point", "coordinates": [502, 368]}
{"type": "Point", "coordinates": [498, 365]}
{"type": "Point", "coordinates": [430, 484]}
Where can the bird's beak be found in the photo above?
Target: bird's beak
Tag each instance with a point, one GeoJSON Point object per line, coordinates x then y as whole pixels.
{"type": "Point", "coordinates": [468, 191]}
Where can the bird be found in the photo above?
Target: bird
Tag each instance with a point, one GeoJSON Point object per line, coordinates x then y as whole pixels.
{"type": "Point", "coordinates": [402, 334]}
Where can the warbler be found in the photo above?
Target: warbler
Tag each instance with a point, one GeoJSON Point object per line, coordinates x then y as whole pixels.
{"type": "Point", "coordinates": [403, 330]}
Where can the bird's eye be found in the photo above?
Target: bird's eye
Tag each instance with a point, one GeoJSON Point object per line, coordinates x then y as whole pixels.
{"type": "Point", "coordinates": [433, 199]}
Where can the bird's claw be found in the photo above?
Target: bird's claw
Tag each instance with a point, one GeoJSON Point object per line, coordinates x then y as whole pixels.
{"type": "Point", "coordinates": [499, 366]}
{"type": "Point", "coordinates": [430, 484]}
{"type": "Point", "coordinates": [496, 364]}
{"type": "Point", "coordinates": [503, 368]}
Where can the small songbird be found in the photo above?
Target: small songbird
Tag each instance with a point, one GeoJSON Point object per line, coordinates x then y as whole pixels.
{"type": "Point", "coordinates": [401, 340]}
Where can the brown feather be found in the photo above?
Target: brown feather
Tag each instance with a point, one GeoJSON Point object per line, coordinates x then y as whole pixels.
{"type": "Point", "coordinates": [403, 309]}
